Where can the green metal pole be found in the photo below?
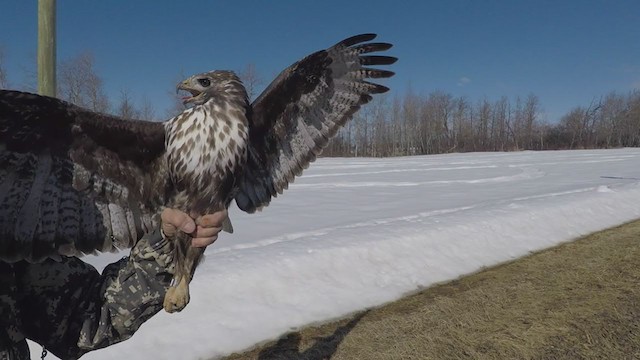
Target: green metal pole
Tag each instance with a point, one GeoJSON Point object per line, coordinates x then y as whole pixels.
{"type": "Point", "coordinates": [47, 47]}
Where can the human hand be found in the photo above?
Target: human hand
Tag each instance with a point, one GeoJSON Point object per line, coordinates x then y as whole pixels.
{"type": "Point", "coordinates": [203, 230]}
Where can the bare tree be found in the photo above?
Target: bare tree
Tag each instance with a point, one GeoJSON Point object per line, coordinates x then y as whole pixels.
{"type": "Point", "coordinates": [463, 127]}
{"type": "Point", "coordinates": [438, 124]}
{"type": "Point", "coordinates": [381, 142]}
{"type": "Point", "coordinates": [251, 79]}
{"type": "Point", "coordinates": [396, 128]}
{"type": "Point", "coordinates": [147, 111]}
{"type": "Point", "coordinates": [529, 117]}
{"type": "Point", "coordinates": [501, 124]}
{"type": "Point", "coordinates": [516, 125]}
{"type": "Point", "coordinates": [126, 107]}
{"type": "Point", "coordinates": [607, 122]}
{"type": "Point", "coordinates": [573, 125]}
{"type": "Point", "coordinates": [630, 118]}
{"type": "Point", "coordinates": [483, 131]}
{"type": "Point", "coordinates": [79, 83]}
{"type": "Point", "coordinates": [410, 114]}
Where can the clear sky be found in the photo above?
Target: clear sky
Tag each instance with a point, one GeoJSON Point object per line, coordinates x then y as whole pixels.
{"type": "Point", "coordinates": [565, 52]}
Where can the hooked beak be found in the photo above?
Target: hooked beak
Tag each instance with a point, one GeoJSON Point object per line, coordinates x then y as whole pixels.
{"type": "Point", "coordinates": [185, 86]}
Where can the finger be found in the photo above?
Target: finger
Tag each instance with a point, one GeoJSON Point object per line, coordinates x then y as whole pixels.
{"type": "Point", "coordinates": [204, 232]}
{"type": "Point", "coordinates": [214, 219]}
{"type": "Point", "coordinates": [178, 219]}
{"type": "Point", "coordinates": [203, 241]}
{"type": "Point", "coordinates": [167, 228]}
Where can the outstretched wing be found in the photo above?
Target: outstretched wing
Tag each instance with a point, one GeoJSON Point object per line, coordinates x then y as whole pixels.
{"type": "Point", "coordinates": [73, 181]}
{"type": "Point", "coordinates": [302, 109]}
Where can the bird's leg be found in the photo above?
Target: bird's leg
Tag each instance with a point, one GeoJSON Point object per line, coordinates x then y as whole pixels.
{"type": "Point", "coordinates": [187, 258]}
{"type": "Point", "coordinates": [172, 300]}
{"type": "Point", "coordinates": [177, 296]}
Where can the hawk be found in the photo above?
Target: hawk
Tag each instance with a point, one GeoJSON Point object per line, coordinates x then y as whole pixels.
{"type": "Point", "coordinates": [73, 181]}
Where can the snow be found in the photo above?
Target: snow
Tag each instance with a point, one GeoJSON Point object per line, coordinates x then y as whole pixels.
{"type": "Point", "coordinates": [356, 233]}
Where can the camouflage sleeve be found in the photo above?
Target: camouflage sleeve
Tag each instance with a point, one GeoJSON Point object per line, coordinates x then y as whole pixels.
{"type": "Point", "coordinates": [80, 310]}
{"type": "Point", "coordinates": [134, 290]}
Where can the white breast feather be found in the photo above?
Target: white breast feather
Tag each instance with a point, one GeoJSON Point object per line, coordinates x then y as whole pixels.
{"type": "Point", "coordinates": [189, 141]}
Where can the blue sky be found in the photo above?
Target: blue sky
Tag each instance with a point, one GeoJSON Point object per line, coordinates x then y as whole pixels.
{"type": "Point", "coordinates": [565, 52]}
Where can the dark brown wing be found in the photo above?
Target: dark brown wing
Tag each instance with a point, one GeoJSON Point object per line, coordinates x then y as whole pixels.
{"type": "Point", "coordinates": [74, 181]}
{"type": "Point", "coordinates": [294, 118]}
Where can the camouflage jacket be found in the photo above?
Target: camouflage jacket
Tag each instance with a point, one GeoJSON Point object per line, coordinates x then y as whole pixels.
{"type": "Point", "coordinates": [71, 309]}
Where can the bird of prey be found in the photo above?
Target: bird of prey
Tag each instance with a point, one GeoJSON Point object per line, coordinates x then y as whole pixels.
{"type": "Point", "coordinates": [73, 181]}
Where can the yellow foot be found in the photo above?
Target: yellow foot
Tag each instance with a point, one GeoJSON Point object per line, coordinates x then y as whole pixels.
{"type": "Point", "coordinates": [177, 297]}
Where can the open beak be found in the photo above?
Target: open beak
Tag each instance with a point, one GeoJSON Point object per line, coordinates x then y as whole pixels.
{"type": "Point", "coordinates": [185, 86]}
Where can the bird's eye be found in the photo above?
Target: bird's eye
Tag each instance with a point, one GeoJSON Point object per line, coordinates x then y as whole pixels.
{"type": "Point", "coordinates": [204, 82]}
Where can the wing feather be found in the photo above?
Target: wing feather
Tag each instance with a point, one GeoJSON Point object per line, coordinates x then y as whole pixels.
{"type": "Point", "coordinates": [302, 109]}
{"type": "Point", "coordinates": [74, 181]}
{"type": "Point", "coordinates": [48, 223]}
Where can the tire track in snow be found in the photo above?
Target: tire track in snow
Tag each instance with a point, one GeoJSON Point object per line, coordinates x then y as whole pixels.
{"type": "Point", "coordinates": [502, 203]}
{"type": "Point", "coordinates": [525, 174]}
{"type": "Point", "coordinates": [327, 230]}
{"type": "Point", "coordinates": [401, 171]}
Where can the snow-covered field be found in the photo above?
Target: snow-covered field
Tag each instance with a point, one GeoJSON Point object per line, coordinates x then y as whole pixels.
{"type": "Point", "coordinates": [354, 233]}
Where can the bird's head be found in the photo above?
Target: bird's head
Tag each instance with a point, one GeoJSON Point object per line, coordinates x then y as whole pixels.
{"type": "Point", "coordinates": [205, 86]}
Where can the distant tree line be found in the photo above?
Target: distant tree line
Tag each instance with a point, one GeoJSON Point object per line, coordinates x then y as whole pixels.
{"type": "Point", "coordinates": [441, 123]}
{"type": "Point", "coordinates": [408, 125]}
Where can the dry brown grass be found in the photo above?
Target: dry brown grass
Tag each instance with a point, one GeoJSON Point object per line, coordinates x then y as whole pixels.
{"type": "Point", "coordinates": [580, 300]}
